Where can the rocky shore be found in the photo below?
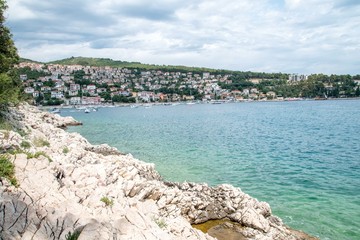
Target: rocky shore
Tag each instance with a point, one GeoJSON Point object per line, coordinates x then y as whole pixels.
{"type": "Point", "coordinates": [70, 188]}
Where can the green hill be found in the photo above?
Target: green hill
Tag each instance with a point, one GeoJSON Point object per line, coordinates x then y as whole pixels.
{"type": "Point", "coordinates": [28, 60]}
{"type": "Point", "coordinates": [102, 62]}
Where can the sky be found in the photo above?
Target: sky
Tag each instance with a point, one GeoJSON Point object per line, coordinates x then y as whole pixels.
{"type": "Point", "coordinates": [289, 36]}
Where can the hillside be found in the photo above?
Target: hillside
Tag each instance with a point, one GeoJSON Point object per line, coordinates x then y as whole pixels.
{"type": "Point", "coordinates": [102, 62]}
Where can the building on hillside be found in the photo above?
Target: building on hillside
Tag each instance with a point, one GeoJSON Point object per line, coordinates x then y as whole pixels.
{"type": "Point", "coordinates": [29, 90]}
{"type": "Point", "coordinates": [297, 77]}
{"type": "Point", "coordinates": [91, 100]}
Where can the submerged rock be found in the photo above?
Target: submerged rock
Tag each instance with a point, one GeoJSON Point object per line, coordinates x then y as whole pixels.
{"type": "Point", "coordinates": [69, 187]}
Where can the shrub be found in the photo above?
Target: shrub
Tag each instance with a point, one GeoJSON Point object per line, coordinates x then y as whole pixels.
{"type": "Point", "coordinates": [25, 144]}
{"type": "Point", "coordinates": [7, 169]}
{"type": "Point", "coordinates": [21, 132]}
{"type": "Point", "coordinates": [107, 201]}
{"type": "Point", "coordinates": [65, 150]}
{"type": "Point", "coordinates": [72, 236]}
{"type": "Point", "coordinates": [38, 154]}
{"type": "Point", "coordinates": [5, 125]}
{"type": "Point", "coordinates": [40, 142]}
{"type": "Point", "coordinates": [161, 223]}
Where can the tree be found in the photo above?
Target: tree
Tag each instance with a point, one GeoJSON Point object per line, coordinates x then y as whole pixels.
{"type": "Point", "coordinates": [9, 83]}
{"type": "Point", "coordinates": [357, 92]}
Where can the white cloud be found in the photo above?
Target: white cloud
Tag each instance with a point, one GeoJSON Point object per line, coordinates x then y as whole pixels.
{"type": "Point", "coordinates": [265, 35]}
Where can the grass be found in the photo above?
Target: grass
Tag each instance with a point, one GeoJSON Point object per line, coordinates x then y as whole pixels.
{"type": "Point", "coordinates": [25, 144]}
{"type": "Point", "coordinates": [160, 222]}
{"type": "Point", "coordinates": [38, 154]}
{"type": "Point", "coordinates": [7, 170]}
{"type": "Point", "coordinates": [107, 201]}
{"type": "Point", "coordinates": [5, 125]}
{"type": "Point", "coordinates": [40, 142]}
{"type": "Point", "coordinates": [72, 236]}
{"type": "Point", "coordinates": [21, 132]}
{"type": "Point", "coordinates": [65, 150]}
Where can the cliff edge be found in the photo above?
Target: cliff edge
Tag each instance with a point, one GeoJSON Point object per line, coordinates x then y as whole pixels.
{"type": "Point", "coordinates": [70, 189]}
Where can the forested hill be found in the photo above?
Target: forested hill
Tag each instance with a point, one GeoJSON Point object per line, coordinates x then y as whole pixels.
{"type": "Point", "coordinates": [103, 62]}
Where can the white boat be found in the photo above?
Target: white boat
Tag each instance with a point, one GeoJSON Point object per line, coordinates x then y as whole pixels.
{"type": "Point", "coordinates": [217, 102]}
{"type": "Point", "coordinates": [87, 110]}
{"type": "Point", "coordinates": [55, 110]}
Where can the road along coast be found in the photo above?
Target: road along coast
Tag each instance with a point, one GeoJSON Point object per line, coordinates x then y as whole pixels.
{"type": "Point", "coordinates": [69, 187]}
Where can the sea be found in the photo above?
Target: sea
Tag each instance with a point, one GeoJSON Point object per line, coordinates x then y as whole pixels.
{"type": "Point", "coordinates": [302, 157]}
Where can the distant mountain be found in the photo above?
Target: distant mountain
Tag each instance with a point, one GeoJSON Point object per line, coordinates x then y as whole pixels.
{"type": "Point", "coordinates": [102, 62]}
{"type": "Point", "coordinates": [28, 60]}
{"type": "Point", "coordinates": [99, 62]}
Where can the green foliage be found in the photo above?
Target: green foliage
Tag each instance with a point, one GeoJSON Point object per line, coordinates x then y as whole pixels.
{"type": "Point", "coordinates": [107, 201]}
{"type": "Point", "coordinates": [5, 125]}
{"type": "Point", "coordinates": [32, 74]}
{"type": "Point", "coordinates": [53, 102]}
{"type": "Point", "coordinates": [49, 83]}
{"type": "Point", "coordinates": [9, 84]}
{"type": "Point", "coordinates": [160, 222]}
{"type": "Point", "coordinates": [27, 60]}
{"type": "Point", "coordinates": [7, 170]}
{"type": "Point", "coordinates": [120, 98]}
{"type": "Point", "coordinates": [9, 89]}
{"type": "Point", "coordinates": [357, 92]}
{"type": "Point", "coordinates": [21, 132]}
{"type": "Point", "coordinates": [38, 154]}
{"type": "Point", "coordinates": [40, 142]}
{"type": "Point", "coordinates": [25, 144]}
{"type": "Point", "coordinates": [72, 236]}
{"type": "Point", "coordinates": [65, 150]}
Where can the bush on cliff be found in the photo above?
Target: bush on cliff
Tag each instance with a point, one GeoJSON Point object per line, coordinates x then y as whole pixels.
{"type": "Point", "coordinates": [9, 82]}
{"type": "Point", "coordinates": [7, 169]}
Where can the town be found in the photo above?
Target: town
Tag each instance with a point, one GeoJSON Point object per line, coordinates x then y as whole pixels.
{"type": "Point", "coordinates": [56, 84]}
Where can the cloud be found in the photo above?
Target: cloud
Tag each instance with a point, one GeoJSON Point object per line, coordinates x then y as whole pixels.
{"type": "Point", "coordinates": [263, 35]}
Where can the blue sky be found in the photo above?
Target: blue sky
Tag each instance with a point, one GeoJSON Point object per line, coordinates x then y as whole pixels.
{"type": "Point", "coordinates": [291, 36]}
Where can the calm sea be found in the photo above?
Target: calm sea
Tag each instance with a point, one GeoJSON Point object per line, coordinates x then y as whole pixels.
{"type": "Point", "coordinates": [301, 157]}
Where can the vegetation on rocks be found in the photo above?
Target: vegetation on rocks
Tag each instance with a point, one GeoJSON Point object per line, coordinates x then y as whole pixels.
{"type": "Point", "coordinates": [38, 154]}
{"type": "Point", "coordinates": [108, 202]}
{"type": "Point", "coordinates": [160, 222]}
{"type": "Point", "coordinates": [65, 150]}
{"type": "Point", "coordinates": [72, 236]}
{"type": "Point", "coordinates": [25, 144]}
{"type": "Point", "coordinates": [9, 80]}
{"type": "Point", "coordinates": [7, 169]}
{"type": "Point", "coordinates": [5, 125]}
{"type": "Point", "coordinates": [40, 142]}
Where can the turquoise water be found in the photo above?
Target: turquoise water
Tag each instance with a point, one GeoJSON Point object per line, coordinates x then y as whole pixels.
{"type": "Point", "coordinates": [301, 157]}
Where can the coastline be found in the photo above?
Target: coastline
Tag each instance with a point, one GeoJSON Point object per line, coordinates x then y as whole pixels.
{"type": "Point", "coordinates": [80, 106]}
{"type": "Point", "coordinates": [70, 188]}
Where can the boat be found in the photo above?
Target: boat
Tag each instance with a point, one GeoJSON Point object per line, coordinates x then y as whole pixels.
{"type": "Point", "coordinates": [55, 110]}
{"type": "Point", "coordinates": [217, 102]}
{"type": "Point", "coordinates": [87, 110]}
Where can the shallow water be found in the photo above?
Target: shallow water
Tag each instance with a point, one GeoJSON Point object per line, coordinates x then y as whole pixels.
{"type": "Point", "coordinates": [301, 157]}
